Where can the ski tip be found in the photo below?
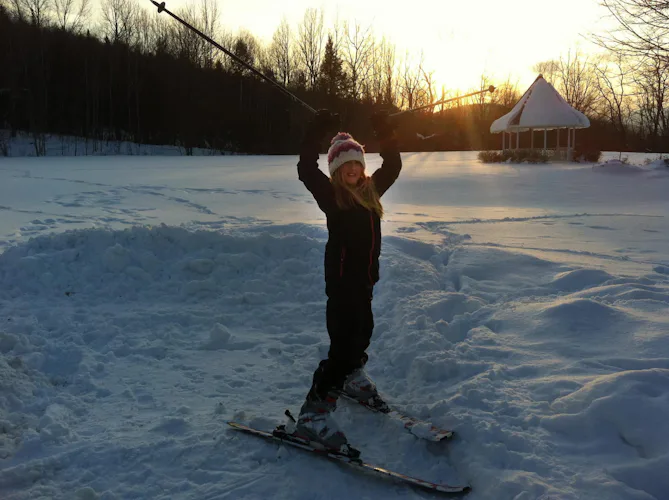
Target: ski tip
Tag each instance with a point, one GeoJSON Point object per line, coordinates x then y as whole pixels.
{"type": "Point", "coordinates": [445, 436]}
{"type": "Point", "coordinates": [456, 490]}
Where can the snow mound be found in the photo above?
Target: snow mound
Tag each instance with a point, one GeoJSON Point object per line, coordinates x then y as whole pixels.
{"type": "Point", "coordinates": [620, 416]}
{"type": "Point", "coordinates": [659, 164]}
{"type": "Point", "coordinates": [582, 316]}
{"type": "Point", "coordinates": [580, 279]}
{"type": "Point", "coordinates": [169, 261]}
{"type": "Point", "coordinates": [413, 248]}
{"type": "Point", "coordinates": [617, 167]}
{"type": "Point", "coordinates": [656, 168]}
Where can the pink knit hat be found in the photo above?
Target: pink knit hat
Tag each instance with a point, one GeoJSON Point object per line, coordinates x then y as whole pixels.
{"type": "Point", "coordinates": [344, 148]}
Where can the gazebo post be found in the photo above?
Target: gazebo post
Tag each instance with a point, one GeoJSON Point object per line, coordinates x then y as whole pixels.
{"type": "Point", "coordinates": [503, 140]}
{"type": "Point", "coordinates": [518, 139]}
{"type": "Point", "coordinates": [557, 142]}
{"type": "Point", "coordinates": [568, 144]}
{"type": "Point", "coordinates": [545, 135]}
{"type": "Point", "coordinates": [531, 138]}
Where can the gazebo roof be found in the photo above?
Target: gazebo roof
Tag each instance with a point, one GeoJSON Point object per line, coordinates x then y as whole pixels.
{"type": "Point", "coordinates": [540, 108]}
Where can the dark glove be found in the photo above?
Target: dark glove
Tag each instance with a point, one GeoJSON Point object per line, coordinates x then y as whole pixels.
{"type": "Point", "coordinates": [323, 123]}
{"type": "Point", "coordinates": [383, 127]}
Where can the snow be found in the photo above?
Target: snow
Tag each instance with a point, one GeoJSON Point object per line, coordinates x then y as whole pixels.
{"type": "Point", "coordinates": [617, 166]}
{"type": "Point", "coordinates": [146, 300]}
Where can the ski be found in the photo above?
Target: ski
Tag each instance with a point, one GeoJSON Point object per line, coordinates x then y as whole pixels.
{"type": "Point", "coordinates": [416, 426]}
{"type": "Point", "coordinates": [280, 435]}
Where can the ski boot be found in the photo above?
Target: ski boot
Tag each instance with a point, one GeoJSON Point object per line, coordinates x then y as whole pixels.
{"type": "Point", "coordinates": [359, 387]}
{"type": "Point", "coordinates": [316, 424]}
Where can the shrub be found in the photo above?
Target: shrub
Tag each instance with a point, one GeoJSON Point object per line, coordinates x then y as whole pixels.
{"type": "Point", "coordinates": [490, 156]}
{"type": "Point", "coordinates": [588, 156]}
{"type": "Point", "coordinates": [515, 156]}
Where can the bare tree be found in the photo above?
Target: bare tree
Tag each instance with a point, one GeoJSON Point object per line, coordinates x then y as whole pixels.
{"type": "Point", "coordinates": [413, 92]}
{"type": "Point", "coordinates": [187, 44]}
{"type": "Point", "coordinates": [428, 84]}
{"type": "Point", "coordinates": [145, 38]}
{"type": "Point", "coordinates": [380, 86]}
{"type": "Point", "coordinates": [35, 12]}
{"type": "Point", "coordinates": [506, 94]}
{"type": "Point", "coordinates": [643, 27]}
{"type": "Point", "coordinates": [118, 20]}
{"type": "Point", "coordinates": [614, 86]}
{"type": "Point", "coordinates": [575, 78]}
{"type": "Point", "coordinates": [310, 40]}
{"type": "Point", "coordinates": [281, 52]}
{"type": "Point", "coordinates": [652, 81]}
{"type": "Point", "coordinates": [208, 24]}
{"type": "Point", "coordinates": [71, 15]}
{"type": "Point", "coordinates": [371, 86]}
{"type": "Point", "coordinates": [389, 73]}
{"type": "Point", "coordinates": [190, 46]}
{"type": "Point", "coordinates": [550, 70]}
{"type": "Point", "coordinates": [336, 33]}
{"type": "Point", "coordinates": [357, 56]}
{"type": "Point", "coordinates": [158, 35]}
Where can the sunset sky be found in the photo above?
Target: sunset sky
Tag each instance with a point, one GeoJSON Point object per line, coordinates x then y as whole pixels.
{"type": "Point", "coordinates": [460, 39]}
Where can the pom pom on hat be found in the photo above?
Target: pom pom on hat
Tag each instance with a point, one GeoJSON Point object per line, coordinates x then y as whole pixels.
{"type": "Point", "coordinates": [341, 136]}
{"type": "Point", "coordinates": [344, 149]}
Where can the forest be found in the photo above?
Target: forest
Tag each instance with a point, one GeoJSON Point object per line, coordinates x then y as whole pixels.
{"type": "Point", "coordinates": [129, 73]}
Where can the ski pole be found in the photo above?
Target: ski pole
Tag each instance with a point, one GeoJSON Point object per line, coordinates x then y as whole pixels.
{"type": "Point", "coordinates": [489, 89]}
{"type": "Point", "coordinates": [162, 8]}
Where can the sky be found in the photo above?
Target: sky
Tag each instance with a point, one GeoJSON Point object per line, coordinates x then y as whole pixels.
{"type": "Point", "coordinates": [460, 39]}
{"type": "Point", "coordinates": [147, 300]}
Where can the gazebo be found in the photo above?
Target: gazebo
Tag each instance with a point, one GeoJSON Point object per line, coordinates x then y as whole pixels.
{"type": "Point", "coordinates": [541, 108]}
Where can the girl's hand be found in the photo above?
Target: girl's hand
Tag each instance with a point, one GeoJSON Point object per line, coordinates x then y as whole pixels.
{"type": "Point", "coordinates": [383, 127]}
{"type": "Point", "coordinates": [324, 122]}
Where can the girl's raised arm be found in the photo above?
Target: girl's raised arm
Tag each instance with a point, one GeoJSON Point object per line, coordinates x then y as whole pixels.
{"type": "Point", "coordinates": [308, 172]}
{"type": "Point", "coordinates": [390, 169]}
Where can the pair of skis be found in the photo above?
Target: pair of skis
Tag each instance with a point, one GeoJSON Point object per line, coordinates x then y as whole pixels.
{"type": "Point", "coordinates": [419, 428]}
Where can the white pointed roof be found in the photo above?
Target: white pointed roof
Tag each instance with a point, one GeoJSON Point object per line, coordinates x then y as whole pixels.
{"type": "Point", "coordinates": [540, 108]}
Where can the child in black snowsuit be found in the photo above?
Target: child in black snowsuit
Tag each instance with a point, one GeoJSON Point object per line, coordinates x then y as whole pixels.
{"type": "Point", "coordinates": [351, 202]}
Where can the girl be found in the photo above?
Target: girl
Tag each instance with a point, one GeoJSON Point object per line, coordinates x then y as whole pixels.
{"type": "Point", "coordinates": [351, 202]}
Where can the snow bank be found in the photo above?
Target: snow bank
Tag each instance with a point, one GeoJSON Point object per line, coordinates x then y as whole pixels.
{"type": "Point", "coordinates": [617, 167]}
{"type": "Point", "coordinates": [613, 166]}
{"type": "Point", "coordinates": [173, 263]}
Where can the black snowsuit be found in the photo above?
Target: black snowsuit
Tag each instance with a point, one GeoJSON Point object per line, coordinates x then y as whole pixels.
{"type": "Point", "coordinates": [351, 266]}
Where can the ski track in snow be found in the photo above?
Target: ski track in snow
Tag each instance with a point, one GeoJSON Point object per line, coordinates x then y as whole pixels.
{"type": "Point", "coordinates": [125, 348]}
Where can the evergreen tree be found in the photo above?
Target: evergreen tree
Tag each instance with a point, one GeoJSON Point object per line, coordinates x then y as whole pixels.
{"type": "Point", "coordinates": [331, 80]}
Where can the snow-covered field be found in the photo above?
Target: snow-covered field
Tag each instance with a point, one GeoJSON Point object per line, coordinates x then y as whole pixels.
{"type": "Point", "coordinates": [145, 301]}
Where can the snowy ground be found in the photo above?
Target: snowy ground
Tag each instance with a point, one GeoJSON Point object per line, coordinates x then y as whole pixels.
{"type": "Point", "coordinates": [145, 301]}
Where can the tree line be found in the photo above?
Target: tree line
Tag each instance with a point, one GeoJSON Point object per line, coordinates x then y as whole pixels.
{"type": "Point", "coordinates": [134, 75]}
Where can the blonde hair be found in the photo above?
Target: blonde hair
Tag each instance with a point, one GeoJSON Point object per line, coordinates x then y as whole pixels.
{"type": "Point", "coordinates": [364, 193]}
